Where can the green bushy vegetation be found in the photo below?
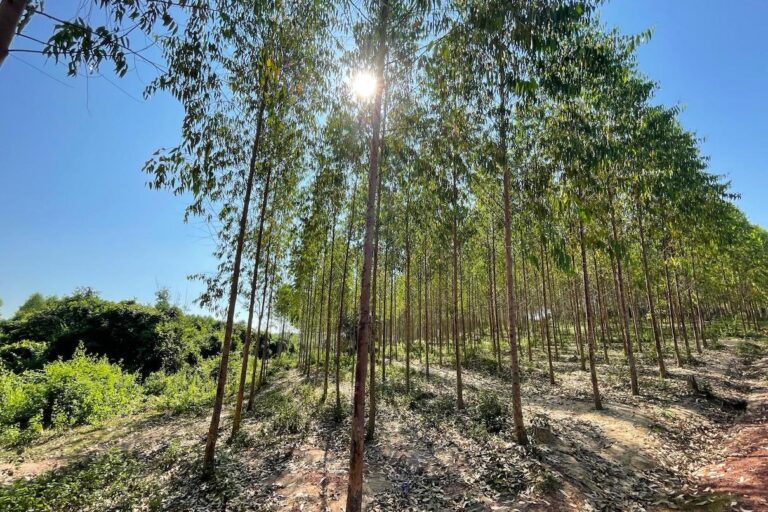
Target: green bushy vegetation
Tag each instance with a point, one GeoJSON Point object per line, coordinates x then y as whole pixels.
{"type": "Point", "coordinates": [65, 394]}
{"type": "Point", "coordinates": [141, 338]}
{"type": "Point", "coordinates": [92, 359]}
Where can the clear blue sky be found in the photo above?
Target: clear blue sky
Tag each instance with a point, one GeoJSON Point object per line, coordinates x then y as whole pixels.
{"type": "Point", "coordinates": [76, 212]}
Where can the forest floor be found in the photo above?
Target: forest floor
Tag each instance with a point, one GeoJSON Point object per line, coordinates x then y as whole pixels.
{"type": "Point", "coordinates": [668, 449]}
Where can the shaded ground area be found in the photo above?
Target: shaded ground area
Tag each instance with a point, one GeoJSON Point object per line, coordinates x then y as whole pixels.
{"type": "Point", "coordinates": [670, 448]}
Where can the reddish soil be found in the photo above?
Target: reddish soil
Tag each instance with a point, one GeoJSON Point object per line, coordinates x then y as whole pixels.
{"type": "Point", "coordinates": [744, 471]}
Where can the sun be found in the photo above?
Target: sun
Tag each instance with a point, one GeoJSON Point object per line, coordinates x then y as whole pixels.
{"type": "Point", "coordinates": [363, 84]}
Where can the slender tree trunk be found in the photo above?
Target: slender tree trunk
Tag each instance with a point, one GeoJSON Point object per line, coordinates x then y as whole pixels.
{"type": "Point", "coordinates": [342, 294]}
{"type": "Point", "coordinates": [577, 325]}
{"type": "Point", "coordinates": [260, 349]}
{"type": "Point", "coordinates": [545, 312]}
{"type": "Point", "coordinates": [649, 292]}
{"type": "Point", "coordinates": [11, 12]}
{"type": "Point", "coordinates": [384, 330]}
{"type": "Point", "coordinates": [600, 307]}
{"type": "Point", "coordinates": [526, 308]}
{"type": "Point", "coordinates": [265, 354]}
{"type": "Point", "coordinates": [213, 429]}
{"type": "Point", "coordinates": [426, 311]}
{"type": "Point", "coordinates": [322, 303]}
{"type": "Point", "coordinates": [251, 302]}
{"type": "Point", "coordinates": [371, 426]}
{"type": "Point", "coordinates": [455, 255]}
{"type": "Point", "coordinates": [590, 320]}
{"type": "Point", "coordinates": [681, 313]}
{"type": "Point", "coordinates": [408, 326]}
{"type": "Point", "coordinates": [671, 311]}
{"type": "Point", "coordinates": [328, 331]}
{"type": "Point", "coordinates": [623, 310]}
{"type": "Point", "coordinates": [517, 402]}
{"type": "Point", "coordinates": [355, 487]}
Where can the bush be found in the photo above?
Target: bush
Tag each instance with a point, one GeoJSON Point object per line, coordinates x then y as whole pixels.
{"type": "Point", "coordinates": [193, 388]}
{"type": "Point", "coordinates": [20, 416]}
{"type": "Point", "coordinates": [142, 338]}
{"type": "Point", "coordinates": [188, 390]}
{"type": "Point", "coordinates": [491, 412]}
{"type": "Point", "coordinates": [22, 355]}
{"type": "Point", "coordinates": [84, 390]}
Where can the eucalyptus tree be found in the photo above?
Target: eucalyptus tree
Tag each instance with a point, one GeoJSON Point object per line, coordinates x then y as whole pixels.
{"type": "Point", "coordinates": [495, 50]}
{"type": "Point", "coordinates": [355, 486]}
{"type": "Point", "coordinates": [237, 73]}
{"type": "Point", "coordinates": [80, 43]}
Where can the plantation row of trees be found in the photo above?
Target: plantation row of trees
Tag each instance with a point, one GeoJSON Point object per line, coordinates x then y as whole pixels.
{"type": "Point", "coordinates": [510, 183]}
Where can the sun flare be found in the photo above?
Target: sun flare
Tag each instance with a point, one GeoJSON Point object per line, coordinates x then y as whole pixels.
{"type": "Point", "coordinates": [363, 84]}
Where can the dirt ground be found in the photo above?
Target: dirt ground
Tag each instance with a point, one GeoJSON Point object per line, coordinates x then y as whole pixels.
{"type": "Point", "coordinates": [668, 449]}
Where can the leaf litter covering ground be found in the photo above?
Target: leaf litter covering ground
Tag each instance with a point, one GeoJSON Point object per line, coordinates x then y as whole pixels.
{"type": "Point", "coordinates": [670, 449]}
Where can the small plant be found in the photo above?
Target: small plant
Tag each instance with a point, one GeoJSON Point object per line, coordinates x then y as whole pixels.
{"type": "Point", "coordinates": [749, 349]}
{"type": "Point", "coordinates": [491, 412]}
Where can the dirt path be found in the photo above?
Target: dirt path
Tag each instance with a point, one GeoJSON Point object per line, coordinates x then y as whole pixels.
{"type": "Point", "coordinates": [743, 472]}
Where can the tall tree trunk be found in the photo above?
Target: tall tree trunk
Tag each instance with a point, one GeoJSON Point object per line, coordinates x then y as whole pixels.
{"type": "Point", "coordinates": [213, 429]}
{"type": "Point", "coordinates": [11, 12]}
{"type": "Point", "coordinates": [265, 354]}
{"type": "Point", "coordinates": [426, 311]}
{"type": "Point", "coordinates": [260, 349]}
{"type": "Point", "coordinates": [384, 329]}
{"type": "Point", "coordinates": [623, 309]}
{"type": "Point", "coordinates": [590, 320]}
{"type": "Point", "coordinates": [408, 326]}
{"type": "Point", "coordinates": [517, 402]}
{"type": "Point", "coordinates": [251, 302]}
{"type": "Point", "coordinates": [455, 259]}
{"type": "Point", "coordinates": [342, 296]}
{"type": "Point", "coordinates": [355, 486]}
{"type": "Point", "coordinates": [371, 427]}
{"type": "Point", "coordinates": [545, 312]}
{"type": "Point", "coordinates": [671, 311]}
{"type": "Point", "coordinates": [649, 292]}
{"type": "Point", "coordinates": [600, 307]}
{"type": "Point", "coordinates": [526, 308]}
{"type": "Point", "coordinates": [329, 315]}
{"type": "Point", "coordinates": [681, 313]}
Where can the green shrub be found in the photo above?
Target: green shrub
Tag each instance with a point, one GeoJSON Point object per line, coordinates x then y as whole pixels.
{"type": "Point", "coordinates": [83, 390]}
{"type": "Point", "coordinates": [193, 388]}
{"type": "Point", "coordinates": [491, 412]}
{"type": "Point", "coordinates": [86, 390]}
{"type": "Point", "coordinates": [22, 355]}
{"type": "Point", "coordinates": [20, 414]}
{"type": "Point", "coordinates": [188, 390]}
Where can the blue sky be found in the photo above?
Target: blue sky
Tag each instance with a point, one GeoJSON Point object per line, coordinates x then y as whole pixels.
{"type": "Point", "coordinates": [76, 211]}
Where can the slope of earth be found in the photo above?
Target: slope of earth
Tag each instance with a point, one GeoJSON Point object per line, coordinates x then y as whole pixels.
{"type": "Point", "coordinates": [670, 448]}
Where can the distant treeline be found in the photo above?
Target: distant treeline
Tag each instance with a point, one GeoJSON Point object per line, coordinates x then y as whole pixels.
{"type": "Point", "coordinates": [141, 338]}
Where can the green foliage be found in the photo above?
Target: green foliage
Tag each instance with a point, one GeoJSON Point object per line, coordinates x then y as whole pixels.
{"type": "Point", "coordinates": [141, 338]}
{"type": "Point", "coordinates": [65, 394]}
{"type": "Point", "coordinates": [491, 411]}
{"type": "Point", "coordinates": [22, 355]}
{"type": "Point", "coordinates": [749, 349]}
{"type": "Point", "coordinates": [186, 391]}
